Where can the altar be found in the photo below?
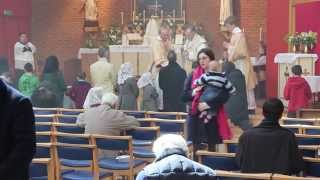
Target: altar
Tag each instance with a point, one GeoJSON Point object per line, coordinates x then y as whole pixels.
{"type": "Point", "coordinates": [140, 56]}
{"type": "Point", "coordinates": [286, 60]}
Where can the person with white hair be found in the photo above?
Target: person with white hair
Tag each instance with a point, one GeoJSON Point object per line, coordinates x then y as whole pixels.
{"type": "Point", "coordinates": [104, 119]}
{"type": "Point", "coordinates": [171, 162]}
{"type": "Point", "coordinates": [93, 97]}
{"type": "Point", "coordinates": [149, 93]}
{"type": "Point", "coordinates": [128, 89]}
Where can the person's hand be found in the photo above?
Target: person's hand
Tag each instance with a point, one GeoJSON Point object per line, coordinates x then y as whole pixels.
{"type": "Point", "coordinates": [197, 89]}
{"type": "Point", "coordinates": [226, 44]}
{"type": "Point", "coordinates": [203, 106]}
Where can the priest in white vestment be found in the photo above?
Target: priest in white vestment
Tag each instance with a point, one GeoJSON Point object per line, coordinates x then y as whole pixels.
{"type": "Point", "coordinates": [23, 54]}
{"type": "Point", "coordinates": [160, 44]}
{"type": "Point", "coordinates": [194, 43]}
{"type": "Point", "coordinates": [239, 54]}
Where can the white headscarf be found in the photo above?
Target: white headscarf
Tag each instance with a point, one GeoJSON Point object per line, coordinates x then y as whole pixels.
{"type": "Point", "coordinates": [94, 97]}
{"type": "Point", "coordinates": [125, 72]}
{"type": "Point", "coordinates": [145, 79]}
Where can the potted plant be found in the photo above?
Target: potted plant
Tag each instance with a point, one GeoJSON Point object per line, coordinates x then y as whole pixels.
{"type": "Point", "coordinates": [295, 41]}
{"type": "Point", "coordinates": [309, 40]}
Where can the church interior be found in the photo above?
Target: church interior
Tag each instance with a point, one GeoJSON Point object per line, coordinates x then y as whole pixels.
{"type": "Point", "coordinates": [115, 76]}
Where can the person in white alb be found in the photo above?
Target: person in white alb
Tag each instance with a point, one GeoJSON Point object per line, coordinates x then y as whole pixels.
{"type": "Point", "coordinates": [193, 44]}
{"type": "Point", "coordinates": [102, 72]}
{"type": "Point", "coordinates": [238, 53]}
{"type": "Point", "coordinates": [23, 54]}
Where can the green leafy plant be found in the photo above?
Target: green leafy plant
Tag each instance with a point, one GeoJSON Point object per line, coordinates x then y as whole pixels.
{"type": "Point", "coordinates": [308, 38]}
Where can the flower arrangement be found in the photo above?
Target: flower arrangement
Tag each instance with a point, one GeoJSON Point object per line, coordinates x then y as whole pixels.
{"type": "Point", "coordinates": [113, 36]}
{"type": "Point", "coordinates": [294, 39]}
{"type": "Point", "coordinates": [306, 39]}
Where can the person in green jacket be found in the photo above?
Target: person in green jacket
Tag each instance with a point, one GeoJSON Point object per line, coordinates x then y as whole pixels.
{"type": "Point", "coordinates": [54, 77]}
{"type": "Point", "coordinates": [28, 82]}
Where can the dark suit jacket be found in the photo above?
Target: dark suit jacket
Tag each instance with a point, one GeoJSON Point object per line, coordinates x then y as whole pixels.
{"type": "Point", "coordinates": [17, 134]}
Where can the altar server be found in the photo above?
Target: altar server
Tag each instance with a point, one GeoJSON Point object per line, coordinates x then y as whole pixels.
{"type": "Point", "coordinates": [23, 54]}
{"type": "Point", "coordinates": [239, 54]}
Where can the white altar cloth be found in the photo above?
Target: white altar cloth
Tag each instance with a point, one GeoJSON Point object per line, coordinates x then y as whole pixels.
{"type": "Point", "coordinates": [314, 83]}
{"type": "Point", "coordinates": [290, 58]}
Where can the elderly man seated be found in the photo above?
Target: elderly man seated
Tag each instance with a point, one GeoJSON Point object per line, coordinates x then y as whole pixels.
{"type": "Point", "coordinates": [104, 119]}
{"type": "Point", "coordinates": [172, 163]}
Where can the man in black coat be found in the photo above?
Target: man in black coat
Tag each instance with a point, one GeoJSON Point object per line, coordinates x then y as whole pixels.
{"type": "Point", "coordinates": [237, 105]}
{"type": "Point", "coordinates": [17, 134]}
{"type": "Point", "coordinates": [269, 148]}
{"type": "Point", "coordinates": [171, 81]}
{"type": "Point", "coordinates": [172, 162]}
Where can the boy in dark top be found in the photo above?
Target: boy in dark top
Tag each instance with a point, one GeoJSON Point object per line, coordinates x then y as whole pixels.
{"type": "Point", "coordinates": [79, 90]}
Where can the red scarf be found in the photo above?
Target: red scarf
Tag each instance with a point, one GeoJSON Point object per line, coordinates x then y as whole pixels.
{"type": "Point", "coordinates": [195, 102]}
{"type": "Point", "coordinates": [223, 126]}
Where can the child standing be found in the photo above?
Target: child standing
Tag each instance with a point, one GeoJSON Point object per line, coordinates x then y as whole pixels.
{"type": "Point", "coordinates": [28, 82]}
{"type": "Point", "coordinates": [150, 95]}
{"type": "Point", "coordinates": [297, 91]}
{"type": "Point", "coordinates": [79, 90]}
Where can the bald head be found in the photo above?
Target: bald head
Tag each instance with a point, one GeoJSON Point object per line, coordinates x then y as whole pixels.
{"type": "Point", "coordinates": [164, 33]}
{"type": "Point", "coordinates": [214, 66]}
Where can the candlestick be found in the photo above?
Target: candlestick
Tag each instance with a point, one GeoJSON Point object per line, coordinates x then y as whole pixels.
{"type": "Point", "coordinates": [260, 34]}
{"type": "Point", "coordinates": [174, 15]}
{"type": "Point", "coordinates": [122, 16]}
{"type": "Point", "coordinates": [156, 7]}
{"type": "Point", "coordinates": [144, 16]}
{"type": "Point", "coordinates": [161, 14]}
{"type": "Point", "coordinates": [133, 16]}
{"type": "Point", "coordinates": [184, 16]}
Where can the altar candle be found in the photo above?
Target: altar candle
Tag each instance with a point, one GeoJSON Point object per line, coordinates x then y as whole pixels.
{"type": "Point", "coordinates": [144, 16]}
{"type": "Point", "coordinates": [161, 14]}
{"type": "Point", "coordinates": [174, 15]}
{"type": "Point", "coordinates": [260, 34]}
{"type": "Point", "coordinates": [133, 15]}
{"type": "Point", "coordinates": [122, 15]}
{"type": "Point", "coordinates": [184, 16]}
{"type": "Point", "coordinates": [156, 7]}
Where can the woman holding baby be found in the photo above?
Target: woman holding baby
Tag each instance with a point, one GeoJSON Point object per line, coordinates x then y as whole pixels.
{"type": "Point", "coordinates": [206, 122]}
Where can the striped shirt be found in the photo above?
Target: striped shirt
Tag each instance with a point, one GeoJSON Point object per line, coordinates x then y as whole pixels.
{"type": "Point", "coordinates": [217, 80]}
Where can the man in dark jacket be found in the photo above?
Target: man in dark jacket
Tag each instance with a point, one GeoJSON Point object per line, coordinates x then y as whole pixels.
{"type": "Point", "coordinates": [237, 105]}
{"type": "Point", "coordinates": [269, 148]}
{"type": "Point", "coordinates": [172, 162]}
{"type": "Point", "coordinates": [17, 134]}
{"type": "Point", "coordinates": [171, 81]}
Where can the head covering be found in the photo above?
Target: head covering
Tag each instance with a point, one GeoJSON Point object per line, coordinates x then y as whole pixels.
{"type": "Point", "coordinates": [228, 67]}
{"type": "Point", "coordinates": [94, 97]}
{"type": "Point", "coordinates": [125, 72]}
{"type": "Point", "coordinates": [145, 79]}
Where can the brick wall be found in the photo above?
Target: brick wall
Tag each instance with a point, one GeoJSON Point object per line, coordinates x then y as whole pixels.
{"type": "Point", "coordinates": [57, 24]}
{"type": "Point", "coordinates": [206, 12]}
{"type": "Point", "coordinates": [253, 15]}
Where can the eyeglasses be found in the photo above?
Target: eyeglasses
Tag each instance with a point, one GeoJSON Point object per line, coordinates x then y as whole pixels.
{"type": "Point", "coordinates": [203, 58]}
